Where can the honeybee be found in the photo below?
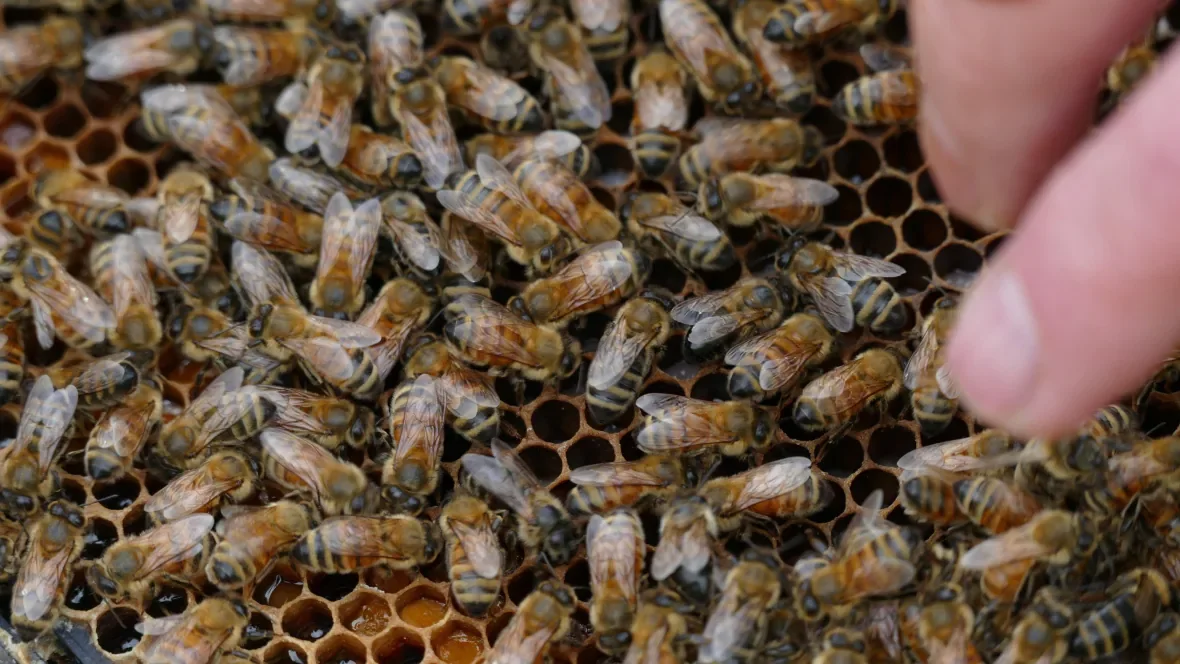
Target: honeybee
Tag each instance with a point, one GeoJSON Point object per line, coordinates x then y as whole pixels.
{"type": "Point", "coordinates": [615, 549]}
{"type": "Point", "coordinates": [11, 543]}
{"type": "Point", "coordinates": [180, 46]}
{"type": "Point", "coordinates": [308, 187]}
{"type": "Point", "coordinates": [26, 466]}
{"type": "Point", "coordinates": [803, 22]}
{"type": "Point", "coordinates": [1111, 421]}
{"type": "Point", "coordinates": [331, 351]}
{"type": "Point", "coordinates": [468, 17]}
{"type": "Point", "coordinates": [846, 288]}
{"type": "Point", "coordinates": [738, 621]}
{"type": "Point", "coordinates": [662, 222]}
{"type": "Point", "coordinates": [542, 619]}
{"type": "Point", "coordinates": [183, 223]}
{"type": "Point", "coordinates": [558, 194]}
{"type": "Point", "coordinates": [776, 360]}
{"type": "Point", "coordinates": [494, 101]}
{"type": "Point", "coordinates": [329, 421]}
{"type": "Point", "coordinates": [395, 44]}
{"type": "Point", "coordinates": [319, 12]}
{"type": "Point", "coordinates": [842, 645]}
{"type": "Point", "coordinates": [603, 487]}
{"type": "Point", "coordinates": [1163, 639]}
{"type": "Point", "coordinates": [1040, 633]}
{"type": "Point", "coordinates": [741, 199]}
{"type": "Point", "coordinates": [54, 232]}
{"type": "Point", "coordinates": [542, 522]}
{"type": "Point", "coordinates": [1133, 65]}
{"type": "Point", "coordinates": [473, 407]}
{"type": "Point", "coordinates": [930, 496]}
{"type": "Point", "coordinates": [660, 90]}
{"type": "Point", "coordinates": [688, 528]}
{"type": "Point", "coordinates": [660, 630]}
{"type": "Point", "coordinates": [735, 144]}
{"type": "Point", "coordinates": [62, 305]}
{"type": "Point", "coordinates": [551, 144]}
{"type": "Point", "coordinates": [121, 277]}
{"type": "Point", "coordinates": [679, 425]}
{"type": "Point", "coordinates": [693, 33]}
{"type": "Point", "coordinates": [787, 74]}
{"type": "Point", "coordinates": [225, 475]}
{"type": "Point", "coordinates": [874, 558]}
{"type": "Point", "coordinates": [320, 109]}
{"type": "Point", "coordinates": [933, 394]}
{"type": "Point", "coordinates": [101, 382]}
{"type": "Point", "coordinates": [251, 56]}
{"type": "Point", "coordinates": [489, 336]}
{"type": "Point", "coordinates": [1161, 514]}
{"type": "Point", "coordinates": [419, 105]}
{"type": "Point", "coordinates": [946, 625]}
{"type": "Point", "coordinates": [626, 352]}
{"type": "Point", "coordinates": [263, 217]}
{"type": "Point", "coordinates": [1063, 467]}
{"type": "Point", "coordinates": [132, 567]}
{"type": "Point", "coordinates": [98, 208]}
{"type": "Point", "coordinates": [778, 489]}
{"type": "Point", "coordinates": [833, 401]}
{"type": "Point", "coordinates": [1055, 537]}
{"type": "Point", "coordinates": [721, 318]}
{"type": "Point", "coordinates": [888, 96]}
{"type": "Point", "coordinates": [379, 161]}
{"type": "Point", "coordinates": [399, 310]}
{"type": "Point", "coordinates": [251, 538]}
{"type": "Point", "coordinates": [987, 449]}
{"type": "Point", "coordinates": [12, 358]}
{"type": "Point", "coordinates": [346, 255]}
{"type": "Point", "coordinates": [55, 540]}
{"type": "Point", "coordinates": [474, 558]}
{"type": "Point", "coordinates": [28, 51]}
{"type": "Point", "coordinates": [224, 413]}
{"type": "Point", "coordinates": [349, 543]}
{"type": "Point", "coordinates": [600, 277]}
{"type": "Point", "coordinates": [204, 334]}
{"type": "Point", "coordinates": [204, 124]}
{"type": "Point", "coordinates": [604, 27]}
{"type": "Point", "coordinates": [580, 99]}
{"type": "Point", "coordinates": [299, 465]}
{"type": "Point", "coordinates": [117, 438]}
{"type": "Point", "coordinates": [467, 257]}
{"type": "Point", "coordinates": [202, 634]}
{"type": "Point", "coordinates": [1149, 464]}
{"type": "Point", "coordinates": [1136, 598]}
{"type": "Point", "coordinates": [416, 420]}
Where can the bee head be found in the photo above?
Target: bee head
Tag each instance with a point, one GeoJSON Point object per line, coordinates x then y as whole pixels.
{"type": "Point", "coordinates": [101, 582]}
{"type": "Point", "coordinates": [260, 321]}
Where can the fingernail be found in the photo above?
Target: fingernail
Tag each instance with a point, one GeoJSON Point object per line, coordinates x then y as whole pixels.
{"type": "Point", "coordinates": [994, 351]}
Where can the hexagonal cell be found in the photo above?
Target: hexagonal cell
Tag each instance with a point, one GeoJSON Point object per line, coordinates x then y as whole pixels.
{"type": "Point", "coordinates": [16, 131]}
{"type": "Point", "coordinates": [954, 431]}
{"type": "Point", "coordinates": [556, 421]}
{"type": "Point", "coordinates": [115, 630]}
{"type": "Point", "coordinates": [889, 197]}
{"type": "Point", "coordinates": [871, 480]}
{"type": "Point", "coordinates": [117, 495]}
{"type": "Point", "coordinates": [666, 274]}
{"type": "Point", "coordinates": [589, 451]}
{"type": "Point", "coordinates": [7, 168]}
{"type": "Point", "coordinates": [722, 279]}
{"type": "Point", "coordinates": [134, 522]}
{"type": "Point", "coordinates": [711, 387]}
{"type": "Point", "coordinates": [834, 75]}
{"type": "Point", "coordinates": [40, 94]}
{"type": "Point", "coordinates": [846, 209]}
{"type": "Point", "coordinates": [399, 645]}
{"type": "Point", "coordinates": [307, 620]}
{"type": "Point", "coordinates": [965, 230]}
{"type": "Point", "coordinates": [15, 199]}
{"type": "Point", "coordinates": [168, 601]}
{"type": "Point", "coordinates": [99, 535]}
{"type": "Point", "coordinates": [917, 274]}
{"type": "Point", "coordinates": [856, 161]}
{"type": "Point", "coordinates": [73, 491]}
{"type": "Point", "coordinates": [873, 238]}
{"type": "Point", "coordinates": [958, 264]}
{"type": "Point", "coordinates": [903, 152]}
{"type": "Point", "coordinates": [129, 174]}
{"type": "Point", "coordinates": [994, 243]}
{"type": "Point", "coordinates": [843, 457]}
{"type": "Point", "coordinates": [103, 99]}
{"type": "Point", "coordinates": [366, 614]}
{"type": "Point", "coordinates": [927, 189]}
{"type": "Point", "coordinates": [331, 586]}
{"type": "Point", "coordinates": [96, 147]}
{"type": "Point", "coordinates": [341, 649]}
{"type": "Point", "coordinates": [421, 606]}
{"type": "Point", "coordinates": [285, 653]}
{"type": "Point", "coordinates": [888, 444]}
{"type": "Point", "coordinates": [577, 576]}
{"type": "Point", "coordinates": [497, 625]}
{"type": "Point", "coordinates": [835, 506]}
{"type": "Point", "coordinates": [79, 596]}
{"type": "Point", "coordinates": [46, 156]}
{"type": "Point", "coordinates": [136, 138]}
{"type": "Point", "coordinates": [617, 165]}
{"type": "Point", "coordinates": [924, 230]}
{"type": "Point", "coordinates": [457, 642]}
{"type": "Point", "coordinates": [620, 117]}
{"type": "Point", "coordinates": [280, 585]}
{"type": "Point", "coordinates": [65, 121]}
{"type": "Point", "coordinates": [545, 462]}
{"type": "Point", "coordinates": [258, 632]}
{"type": "Point", "coordinates": [390, 581]}
{"type": "Point", "coordinates": [828, 124]}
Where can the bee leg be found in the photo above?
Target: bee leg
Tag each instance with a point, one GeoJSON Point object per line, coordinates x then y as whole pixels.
{"type": "Point", "coordinates": [1144, 396]}
{"type": "Point", "coordinates": [821, 450]}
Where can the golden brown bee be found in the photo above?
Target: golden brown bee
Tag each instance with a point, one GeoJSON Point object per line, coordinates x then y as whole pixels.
{"type": "Point", "coordinates": [117, 438]}
{"type": "Point", "coordinates": [204, 334]}
{"type": "Point", "coordinates": [26, 466]}
{"type": "Point", "coordinates": [946, 626]}
{"type": "Point", "coordinates": [625, 355]}
{"type": "Point", "coordinates": [1147, 465]}
{"type": "Point", "coordinates": [225, 475]}
{"type": "Point", "coordinates": [1135, 599]}
{"type": "Point", "coordinates": [416, 422]}
{"type": "Point", "coordinates": [874, 559]}
{"type": "Point", "coordinates": [204, 124]}
{"type": "Point", "coordinates": [738, 620]}
{"type": "Point", "coordinates": [399, 310]}
{"type": "Point", "coordinates": [679, 425]}
{"type": "Point", "coordinates": [133, 567]}
{"type": "Point", "coordinates": [251, 538]}
{"type": "Point", "coordinates": [419, 105]}
{"type": "Point", "coordinates": [600, 277]}
{"type": "Point", "coordinates": [1055, 537]}
{"type": "Point", "coordinates": [803, 22]}
{"type": "Point", "coordinates": [603, 487]}
{"type": "Point", "coordinates": [299, 465]}
{"type": "Point", "coordinates": [787, 74]}
{"type": "Point", "coordinates": [688, 529]}
{"type": "Point", "coordinates": [542, 522]}
{"type": "Point", "coordinates": [888, 96]}
{"type": "Point", "coordinates": [349, 543]}
{"type": "Point", "coordinates": [846, 288]}
{"type": "Point", "coordinates": [555, 145]}
{"type": "Point", "coordinates": [1063, 467]}
{"type": "Point", "coordinates": [557, 193]}
{"type": "Point", "coordinates": [224, 413]}
{"type": "Point", "coordinates": [265, 218]}
{"type": "Point", "coordinates": [604, 24]}
{"type": "Point", "coordinates": [659, 87]}
{"type": "Point", "coordinates": [991, 448]}
{"type": "Point", "coordinates": [12, 359]}
{"type": "Point", "coordinates": [395, 44]}
{"type": "Point", "coordinates": [62, 305]}
{"type": "Point", "coordinates": [741, 199]}
{"type": "Point", "coordinates": [542, 619]}
{"type": "Point", "coordinates": [319, 12]}
{"type": "Point", "coordinates": [722, 318]}
{"type": "Point", "coordinates": [930, 496]}
{"type": "Point", "coordinates": [834, 400]}
{"type": "Point", "coordinates": [842, 645]}
{"type": "Point", "coordinates": [660, 630]}
{"type": "Point", "coordinates": [489, 336]}
{"type": "Point", "coordinates": [306, 186]}
{"type": "Point", "coordinates": [28, 51]}
{"type": "Point", "coordinates": [473, 407]}
{"type": "Point", "coordinates": [933, 394]}
{"type": "Point", "coordinates": [1040, 633]}
{"type": "Point", "coordinates": [1111, 421]}
{"type": "Point", "coordinates": [180, 47]}
{"type": "Point", "coordinates": [488, 98]}
{"type": "Point", "coordinates": [346, 255]}
{"type": "Point", "coordinates": [54, 232]}
{"type": "Point", "coordinates": [468, 17]}
{"type": "Point", "coordinates": [417, 240]}
{"type": "Point", "coordinates": [121, 276]}
{"type": "Point", "coordinates": [474, 558]}
{"type": "Point", "coordinates": [735, 144]}
{"type": "Point", "coordinates": [776, 360]}
{"type": "Point", "coordinates": [1161, 513]}
{"type": "Point", "coordinates": [1163, 639]}
{"type": "Point", "coordinates": [467, 259]}
{"type": "Point", "coordinates": [102, 382]}
{"type": "Point", "coordinates": [98, 208]}
{"type": "Point", "coordinates": [694, 34]}
{"type": "Point", "coordinates": [320, 108]}
{"type": "Point", "coordinates": [183, 223]}
{"type": "Point", "coordinates": [379, 161]}
{"type": "Point", "coordinates": [664, 224]}
{"type": "Point", "coordinates": [201, 634]}
{"type": "Point", "coordinates": [55, 540]}
{"type": "Point", "coordinates": [580, 100]}
{"type": "Point", "coordinates": [615, 550]}
{"type": "Point", "coordinates": [329, 421]}
{"type": "Point", "coordinates": [1132, 66]}
{"type": "Point", "coordinates": [250, 56]}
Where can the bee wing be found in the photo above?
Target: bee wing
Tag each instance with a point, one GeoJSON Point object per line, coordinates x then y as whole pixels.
{"type": "Point", "coordinates": [466, 392]}
{"type": "Point", "coordinates": [522, 641]}
{"type": "Point", "coordinates": [481, 547]}
{"type": "Point", "coordinates": [490, 474]}
{"type": "Point", "coordinates": [309, 188]}
{"type": "Point", "coordinates": [462, 205]}
{"type": "Point", "coordinates": [677, 424]}
{"type": "Point", "coordinates": [712, 328]}
{"type": "Point", "coordinates": [54, 416]}
{"type": "Point", "coordinates": [290, 414]}
{"type": "Point", "coordinates": [488, 93]}
{"type": "Point", "coordinates": [435, 144]}
{"type": "Point", "coordinates": [606, 15]}
{"type": "Point", "coordinates": [123, 428]}
{"type": "Point", "coordinates": [852, 267]}
{"type": "Point", "coordinates": [583, 88]}
{"type": "Point", "coordinates": [390, 45]}
{"type": "Point", "coordinates": [611, 553]}
{"type": "Point", "coordinates": [260, 275]}
{"type": "Point", "coordinates": [704, 46]}
{"type": "Point", "coordinates": [616, 353]}
{"type": "Point", "coordinates": [688, 225]}
{"type": "Point", "coordinates": [480, 317]}
{"type": "Point", "coordinates": [690, 311]}
{"type": "Point", "coordinates": [866, 523]}
{"type": "Point", "coordinates": [787, 191]}
{"type": "Point", "coordinates": [519, 470]}
{"type": "Point", "coordinates": [305, 125]}
{"type": "Point", "coordinates": [935, 455]}
{"type": "Point", "coordinates": [186, 493]}
{"type": "Point", "coordinates": [420, 251]}
{"type": "Point", "coordinates": [661, 104]}
{"type": "Point", "coordinates": [159, 626]}
{"type": "Point", "coordinates": [772, 480]}
{"type": "Point", "coordinates": [325, 355]}
{"type": "Point", "coordinates": [461, 254]}
{"type": "Point", "coordinates": [43, 323]}
{"type": "Point", "coordinates": [1011, 546]}
{"type": "Point", "coordinates": [130, 53]}
{"type": "Point", "coordinates": [210, 397]}
{"type": "Point", "coordinates": [423, 421]}
{"type": "Point", "coordinates": [31, 417]}
{"type": "Point", "coordinates": [951, 651]}
{"type": "Point", "coordinates": [729, 627]}
{"type": "Point", "coordinates": [884, 577]}
{"type": "Point", "coordinates": [178, 219]}
{"type": "Point", "coordinates": [554, 192]}
{"type": "Point", "coordinates": [42, 575]}
{"type": "Point", "coordinates": [880, 57]}
{"type": "Point", "coordinates": [291, 99]}
{"type": "Point", "coordinates": [348, 333]}
{"type": "Point", "coordinates": [518, 10]}
{"type": "Point", "coordinates": [95, 196]}
{"type": "Point", "coordinates": [178, 540]}
{"type": "Point", "coordinates": [357, 229]}
{"type": "Point", "coordinates": [75, 304]}
{"type": "Point", "coordinates": [227, 412]}
{"type": "Point", "coordinates": [334, 136]}
{"type": "Point", "coordinates": [920, 362]}
{"type": "Point", "coordinates": [787, 362]}
{"type": "Point", "coordinates": [152, 244]}
{"type": "Point", "coordinates": [819, 21]}
{"type": "Point", "coordinates": [245, 67]}
{"type": "Point", "coordinates": [550, 144]}
{"type": "Point", "coordinates": [614, 474]}
{"type": "Point", "coordinates": [266, 231]}
{"type": "Point", "coordinates": [303, 458]}
{"type": "Point", "coordinates": [832, 296]}
{"type": "Point", "coordinates": [494, 175]}
{"type": "Point", "coordinates": [597, 273]}
{"type": "Point", "coordinates": [688, 549]}
{"type": "Point", "coordinates": [132, 283]}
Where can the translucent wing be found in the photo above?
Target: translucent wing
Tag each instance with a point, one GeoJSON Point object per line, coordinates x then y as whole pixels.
{"type": "Point", "coordinates": [130, 53]}
{"type": "Point", "coordinates": [39, 580]}
{"type": "Point", "coordinates": [556, 193]}
{"type": "Point", "coordinates": [334, 135]}
{"type": "Point", "coordinates": [260, 275]}
{"type": "Point", "coordinates": [920, 362]}
{"type": "Point", "coordinates": [787, 191]}
{"type": "Point", "coordinates": [697, 43]}
{"type": "Point", "coordinates": [885, 577]}
{"type": "Point", "coordinates": [688, 549]}
{"type": "Point", "coordinates": [714, 328]}
{"type": "Point", "coordinates": [304, 129]}
{"type": "Point", "coordinates": [357, 229]}
{"type": "Point", "coordinates": [466, 392]}
{"type": "Point", "coordinates": [781, 367]}
{"type": "Point", "coordinates": [852, 267]}
{"type": "Point", "coordinates": [518, 469]}
{"type": "Point", "coordinates": [415, 246]}
{"type": "Point", "coordinates": [94, 196]}
{"type": "Point", "coordinates": [481, 546]}
{"type": "Point", "coordinates": [132, 282]}
{"type": "Point", "coordinates": [605, 15]}
{"type": "Point", "coordinates": [57, 412]}
{"type": "Point", "coordinates": [301, 457]}
{"type": "Point", "coordinates": [582, 88]}
{"type": "Point", "coordinates": [348, 333]}
{"type": "Point", "coordinates": [159, 626]}
{"type": "Point", "coordinates": [245, 67]}
{"type": "Point", "coordinates": [462, 255]}
{"type": "Point", "coordinates": [946, 382]}
{"type": "Point", "coordinates": [291, 99]}
{"type": "Point", "coordinates": [678, 423]}
{"type": "Point", "coordinates": [551, 144]}
{"type": "Point", "coordinates": [880, 57]}
{"type": "Point", "coordinates": [325, 355]}
{"type": "Point", "coordinates": [170, 99]}
{"type": "Point", "coordinates": [597, 273]}
{"type": "Point", "coordinates": [497, 480]}
{"type": "Point", "coordinates": [178, 219]}
{"type": "Point", "coordinates": [494, 175]}
{"type": "Point", "coordinates": [435, 144]}
{"type": "Point", "coordinates": [487, 93]}
{"type": "Point", "coordinates": [611, 550]}
{"type": "Point", "coordinates": [34, 412]}
{"type": "Point", "coordinates": [729, 627]}
{"type": "Point", "coordinates": [211, 396]}
{"type": "Point", "coordinates": [819, 21]}
{"type": "Point", "coordinates": [616, 352]}
{"type": "Point", "coordinates": [661, 105]}
{"type": "Point", "coordinates": [690, 311]}
{"type": "Point", "coordinates": [688, 226]}
{"type": "Point", "coordinates": [866, 523]}
{"type": "Point", "coordinates": [309, 188]}
{"type": "Point", "coordinates": [187, 493]}
{"type": "Point", "coordinates": [772, 480]}
{"type": "Point", "coordinates": [122, 429]}
{"type": "Point", "coordinates": [463, 206]}
{"type": "Point", "coordinates": [495, 329]}
{"type": "Point", "coordinates": [43, 324]}
{"type": "Point", "coordinates": [228, 411]}
{"type": "Point", "coordinates": [179, 540]}
{"type": "Point", "coordinates": [615, 474]}
{"type": "Point", "coordinates": [75, 304]}
{"type": "Point", "coordinates": [423, 421]}
{"type": "Point", "coordinates": [1016, 544]}
{"type": "Point", "coordinates": [832, 296]}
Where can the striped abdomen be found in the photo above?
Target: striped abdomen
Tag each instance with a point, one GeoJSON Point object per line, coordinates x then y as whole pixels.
{"type": "Point", "coordinates": [598, 499]}
{"type": "Point", "coordinates": [365, 381]}
{"type": "Point", "coordinates": [994, 504]}
{"type": "Point", "coordinates": [1106, 630]}
{"type": "Point", "coordinates": [482, 427]}
{"type": "Point", "coordinates": [12, 362]}
{"type": "Point", "coordinates": [257, 413]}
{"type": "Point", "coordinates": [878, 307]}
{"type": "Point", "coordinates": [475, 593]}
{"type": "Point", "coordinates": [710, 256]}
{"type": "Point", "coordinates": [1005, 582]}
{"type": "Point", "coordinates": [607, 45]}
{"type": "Point", "coordinates": [932, 409]}
{"type": "Point", "coordinates": [879, 99]}
{"type": "Point", "coordinates": [609, 404]}
{"type": "Point", "coordinates": [189, 260]}
{"type": "Point", "coordinates": [932, 499]}
{"type": "Point", "coordinates": [654, 151]}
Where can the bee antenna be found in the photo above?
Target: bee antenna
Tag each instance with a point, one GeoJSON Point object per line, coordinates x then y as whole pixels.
{"type": "Point", "coordinates": [708, 474]}
{"type": "Point", "coordinates": [114, 613]}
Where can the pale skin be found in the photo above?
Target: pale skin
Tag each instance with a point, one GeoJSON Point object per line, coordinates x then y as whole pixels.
{"type": "Point", "coordinates": [1080, 306]}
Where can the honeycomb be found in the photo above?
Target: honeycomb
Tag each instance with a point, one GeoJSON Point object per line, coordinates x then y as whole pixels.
{"type": "Point", "coordinates": [888, 207]}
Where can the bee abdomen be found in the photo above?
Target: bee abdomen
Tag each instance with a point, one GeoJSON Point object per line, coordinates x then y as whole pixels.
{"type": "Point", "coordinates": [1105, 631]}
{"type": "Point", "coordinates": [189, 260]}
{"type": "Point", "coordinates": [608, 404]}
{"type": "Point", "coordinates": [654, 151]}
{"type": "Point", "coordinates": [933, 410]}
{"type": "Point", "coordinates": [480, 428]}
{"type": "Point", "coordinates": [585, 499]}
{"type": "Point", "coordinates": [475, 593]}
{"type": "Point", "coordinates": [878, 307]}
{"type": "Point", "coordinates": [694, 167]}
{"type": "Point", "coordinates": [930, 498]}
{"type": "Point", "coordinates": [743, 382]}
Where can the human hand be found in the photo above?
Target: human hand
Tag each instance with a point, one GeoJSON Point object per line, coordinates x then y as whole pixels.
{"type": "Point", "coordinates": [1076, 310]}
